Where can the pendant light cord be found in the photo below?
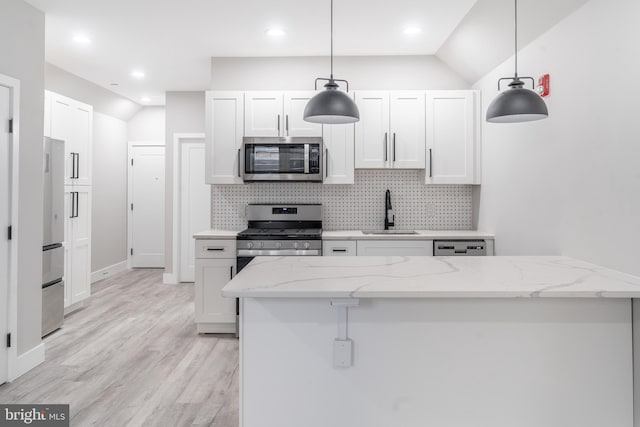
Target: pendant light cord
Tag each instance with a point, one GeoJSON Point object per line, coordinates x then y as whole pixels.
{"type": "Point", "coordinates": [516, 35]}
{"type": "Point", "coordinates": [331, 39]}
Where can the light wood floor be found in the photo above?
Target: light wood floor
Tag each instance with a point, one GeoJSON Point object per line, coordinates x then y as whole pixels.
{"type": "Point", "coordinates": [133, 358]}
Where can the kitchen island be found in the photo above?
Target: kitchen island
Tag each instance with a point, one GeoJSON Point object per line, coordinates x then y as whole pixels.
{"type": "Point", "coordinates": [435, 341]}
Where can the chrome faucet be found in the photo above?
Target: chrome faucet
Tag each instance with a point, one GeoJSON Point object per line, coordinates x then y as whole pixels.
{"type": "Point", "coordinates": [389, 216]}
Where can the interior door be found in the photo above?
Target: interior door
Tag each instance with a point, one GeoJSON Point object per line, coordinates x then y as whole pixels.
{"type": "Point", "coordinates": [5, 217]}
{"type": "Point", "coordinates": [195, 204]}
{"type": "Point", "coordinates": [146, 204]}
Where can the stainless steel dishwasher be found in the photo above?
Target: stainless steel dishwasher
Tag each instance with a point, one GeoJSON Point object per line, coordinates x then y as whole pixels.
{"type": "Point", "coordinates": [459, 248]}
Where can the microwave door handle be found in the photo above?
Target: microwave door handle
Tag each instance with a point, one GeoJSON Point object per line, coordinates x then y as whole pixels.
{"type": "Point", "coordinates": [306, 158]}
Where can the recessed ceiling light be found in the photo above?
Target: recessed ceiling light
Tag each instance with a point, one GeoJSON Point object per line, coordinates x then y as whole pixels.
{"type": "Point", "coordinates": [412, 31]}
{"type": "Point", "coordinates": [275, 32]}
{"type": "Point", "coordinates": [81, 39]}
{"type": "Point", "coordinates": [137, 74]}
{"type": "Point", "coordinates": [145, 99]}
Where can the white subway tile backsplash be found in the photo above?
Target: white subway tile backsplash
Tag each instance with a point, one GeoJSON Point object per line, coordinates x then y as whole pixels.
{"type": "Point", "coordinates": [354, 207]}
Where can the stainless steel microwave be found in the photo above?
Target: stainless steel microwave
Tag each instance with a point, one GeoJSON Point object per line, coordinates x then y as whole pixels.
{"type": "Point", "coordinates": [282, 159]}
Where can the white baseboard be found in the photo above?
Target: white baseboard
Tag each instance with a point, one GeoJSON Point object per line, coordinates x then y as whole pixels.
{"type": "Point", "coordinates": [108, 271]}
{"type": "Point", "coordinates": [169, 279]}
{"type": "Point", "coordinates": [27, 361]}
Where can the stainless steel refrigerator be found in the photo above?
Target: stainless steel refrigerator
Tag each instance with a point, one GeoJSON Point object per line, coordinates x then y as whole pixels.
{"type": "Point", "coordinates": [52, 249]}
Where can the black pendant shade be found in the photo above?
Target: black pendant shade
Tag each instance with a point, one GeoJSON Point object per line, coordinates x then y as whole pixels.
{"type": "Point", "coordinates": [331, 106]}
{"type": "Point", "coordinates": [517, 104]}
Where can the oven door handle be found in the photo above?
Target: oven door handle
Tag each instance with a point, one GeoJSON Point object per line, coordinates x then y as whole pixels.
{"type": "Point", "coordinates": [306, 158]}
{"type": "Point", "coordinates": [278, 252]}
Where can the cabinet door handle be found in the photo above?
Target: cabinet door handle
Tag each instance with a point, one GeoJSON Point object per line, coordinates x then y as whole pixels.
{"type": "Point", "coordinates": [385, 147]}
{"type": "Point", "coordinates": [77, 203]}
{"type": "Point", "coordinates": [326, 162]}
{"type": "Point", "coordinates": [73, 166]}
{"type": "Point", "coordinates": [73, 204]}
{"type": "Point", "coordinates": [215, 249]}
{"type": "Point", "coordinates": [394, 146]}
{"type": "Point", "coordinates": [231, 272]}
{"type": "Point", "coordinates": [239, 160]}
{"type": "Point", "coordinates": [286, 119]}
{"type": "Point", "coordinates": [278, 124]}
{"type": "Point", "coordinates": [78, 166]}
{"type": "Point", "coordinates": [338, 250]}
{"type": "Point", "coordinates": [430, 163]}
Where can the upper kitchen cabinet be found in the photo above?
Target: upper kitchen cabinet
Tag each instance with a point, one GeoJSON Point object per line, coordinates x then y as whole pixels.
{"type": "Point", "coordinates": [338, 153]}
{"type": "Point", "coordinates": [278, 114]}
{"type": "Point", "coordinates": [453, 137]}
{"type": "Point", "coordinates": [224, 129]}
{"type": "Point", "coordinates": [391, 130]}
{"type": "Point", "coordinates": [72, 122]}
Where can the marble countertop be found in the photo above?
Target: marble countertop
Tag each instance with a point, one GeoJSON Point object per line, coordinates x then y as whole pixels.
{"type": "Point", "coordinates": [429, 277]}
{"type": "Point", "coordinates": [216, 234]}
{"type": "Point", "coordinates": [422, 235]}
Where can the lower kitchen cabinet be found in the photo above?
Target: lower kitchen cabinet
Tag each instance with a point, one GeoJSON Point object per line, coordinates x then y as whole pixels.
{"type": "Point", "coordinates": [339, 248]}
{"type": "Point", "coordinates": [395, 247]}
{"type": "Point", "coordinates": [215, 265]}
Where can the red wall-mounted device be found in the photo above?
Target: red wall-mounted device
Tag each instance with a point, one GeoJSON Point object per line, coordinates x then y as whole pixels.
{"type": "Point", "coordinates": [543, 85]}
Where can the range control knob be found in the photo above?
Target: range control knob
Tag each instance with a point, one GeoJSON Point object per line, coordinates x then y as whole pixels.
{"type": "Point", "coordinates": [262, 244]}
{"type": "Point", "coordinates": [250, 245]}
{"type": "Point", "coordinates": [278, 245]}
{"type": "Point", "coordinates": [306, 245]}
{"type": "Point", "coordinates": [295, 245]}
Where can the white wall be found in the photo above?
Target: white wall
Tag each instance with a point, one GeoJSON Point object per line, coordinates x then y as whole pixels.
{"type": "Point", "coordinates": [184, 114]}
{"type": "Point", "coordinates": [362, 72]}
{"type": "Point", "coordinates": [22, 57]}
{"type": "Point", "coordinates": [109, 206]}
{"type": "Point", "coordinates": [148, 124]}
{"type": "Point", "coordinates": [570, 184]}
{"type": "Point", "coordinates": [103, 101]}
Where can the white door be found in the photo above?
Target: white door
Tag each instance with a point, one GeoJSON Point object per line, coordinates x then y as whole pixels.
{"type": "Point", "coordinates": [372, 131]}
{"type": "Point", "coordinates": [146, 206]}
{"type": "Point", "coordinates": [80, 248]}
{"type": "Point", "coordinates": [61, 120]}
{"type": "Point", "coordinates": [195, 205]}
{"type": "Point", "coordinates": [407, 127]}
{"type": "Point", "coordinates": [5, 217]}
{"type": "Point", "coordinates": [451, 141]}
{"type": "Point", "coordinates": [82, 119]}
{"type": "Point", "coordinates": [263, 114]}
{"type": "Point", "coordinates": [225, 127]}
{"type": "Point", "coordinates": [294, 124]}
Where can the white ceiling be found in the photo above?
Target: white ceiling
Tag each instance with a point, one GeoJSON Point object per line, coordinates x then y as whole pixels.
{"type": "Point", "coordinates": [173, 41]}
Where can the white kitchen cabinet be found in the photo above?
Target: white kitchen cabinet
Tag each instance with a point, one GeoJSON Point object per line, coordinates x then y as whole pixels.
{"type": "Point", "coordinates": [215, 265]}
{"type": "Point", "coordinates": [338, 153]}
{"type": "Point", "coordinates": [72, 122]}
{"type": "Point", "coordinates": [391, 130]}
{"type": "Point", "coordinates": [224, 130]}
{"type": "Point", "coordinates": [339, 248]}
{"type": "Point", "coordinates": [77, 244]}
{"type": "Point", "coordinates": [453, 137]}
{"type": "Point", "coordinates": [395, 247]}
{"type": "Point", "coordinates": [47, 113]}
{"type": "Point", "coordinates": [294, 124]}
{"type": "Point", "coordinates": [278, 114]}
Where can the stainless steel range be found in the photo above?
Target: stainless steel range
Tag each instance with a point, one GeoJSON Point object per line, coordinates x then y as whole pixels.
{"type": "Point", "coordinates": [280, 230]}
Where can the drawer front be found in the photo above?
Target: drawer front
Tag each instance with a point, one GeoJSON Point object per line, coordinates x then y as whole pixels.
{"type": "Point", "coordinates": [210, 248]}
{"type": "Point", "coordinates": [395, 247]}
{"type": "Point", "coordinates": [339, 248]}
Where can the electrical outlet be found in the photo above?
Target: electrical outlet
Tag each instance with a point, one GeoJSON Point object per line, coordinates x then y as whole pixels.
{"type": "Point", "coordinates": [342, 353]}
{"type": "Point", "coordinates": [431, 210]}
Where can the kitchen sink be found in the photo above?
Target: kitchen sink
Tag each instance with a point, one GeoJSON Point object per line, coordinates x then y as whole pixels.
{"type": "Point", "coordinates": [389, 232]}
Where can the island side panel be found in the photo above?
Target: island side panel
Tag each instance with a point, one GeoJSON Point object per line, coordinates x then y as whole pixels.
{"type": "Point", "coordinates": [444, 362]}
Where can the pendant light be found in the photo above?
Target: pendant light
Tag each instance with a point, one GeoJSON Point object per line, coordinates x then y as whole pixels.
{"type": "Point", "coordinates": [516, 104]}
{"type": "Point", "coordinates": [331, 106]}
